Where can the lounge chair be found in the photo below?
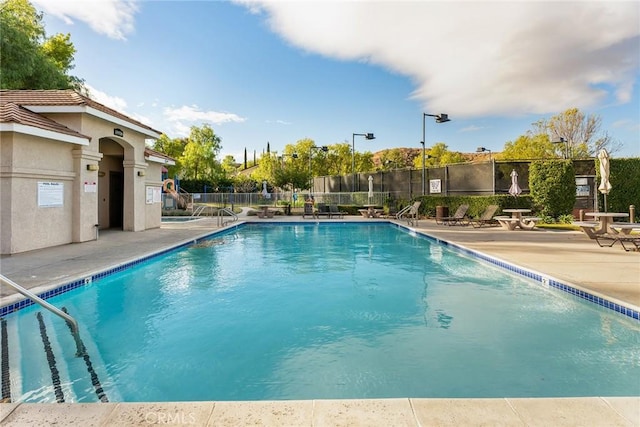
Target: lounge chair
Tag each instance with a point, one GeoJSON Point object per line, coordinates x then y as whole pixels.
{"type": "Point", "coordinates": [323, 210]}
{"type": "Point", "coordinates": [486, 218]}
{"type": "Point", "coordinates": [308, 210]}
{"type": "Point", "coordinates": [609, 240]}
{"type": "Point", "coordinates": [410, 213]}
{"type": "Point", "coordinates": [334, 212]}
{"type": "Point", "coordinates": [458, 218]}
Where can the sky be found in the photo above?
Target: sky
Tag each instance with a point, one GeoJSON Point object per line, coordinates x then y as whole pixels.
{"type": "Point", "coordinates": [281, 71]}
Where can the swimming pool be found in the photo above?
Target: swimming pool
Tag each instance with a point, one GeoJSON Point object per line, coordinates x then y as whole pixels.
{"type": "Point", "coordinates": [308, 311]}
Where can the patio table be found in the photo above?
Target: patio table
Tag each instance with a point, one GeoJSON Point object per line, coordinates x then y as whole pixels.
{"type": "Point", "coordinates": [606, 221]}
{"type": "Point", "coordinates": [517, 220]}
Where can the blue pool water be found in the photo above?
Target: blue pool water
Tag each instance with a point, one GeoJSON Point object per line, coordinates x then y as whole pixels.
{"type": "Point", "coordinates": [311, 311]}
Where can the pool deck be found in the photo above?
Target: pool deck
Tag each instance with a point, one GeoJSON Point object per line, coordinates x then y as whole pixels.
{"type": "Point", "coordinates": [568, 256]}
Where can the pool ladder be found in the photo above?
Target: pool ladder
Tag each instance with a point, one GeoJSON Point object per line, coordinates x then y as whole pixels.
{"type": "Point", "coordinates": [81, 350]}
{"type": "Point", "coordinates": [222, 213]}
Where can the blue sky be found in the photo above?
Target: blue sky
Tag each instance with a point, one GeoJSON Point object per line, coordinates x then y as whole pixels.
{"type": "Point", "coordinates": [281, 71]}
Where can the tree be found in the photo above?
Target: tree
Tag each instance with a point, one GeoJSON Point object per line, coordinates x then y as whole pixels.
{"type": "Point", "coordinates": [528, 147]}
{"type": "Point", "coordinates": [553, 186]}
{"type": "Point", "coordinates": [198, 159]}
{"type": "Point", "coordinates": [581, 133]}
{"type": "Point", "coordinates": [172, 148]}
{"type": "Point", "coordinates": [439, 155]}
{"type": "Point", "coordinates": [29, 60]}
{"type": "Point", "coordinates": [396, 158]}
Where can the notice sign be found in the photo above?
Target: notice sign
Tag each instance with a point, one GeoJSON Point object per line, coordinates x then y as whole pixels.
{"type": "Point", "coordinates": [50, 194]}
{"type": "Point", "coordinates": [90, 187]}
{"type": "Point", "coordinates": [153, 195]}
{"type": "Point", "coordinates": [435, 186]}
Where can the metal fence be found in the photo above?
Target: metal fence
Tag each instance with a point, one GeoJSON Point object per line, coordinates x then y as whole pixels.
{"type": "Point", "coordinates": [487, 178]}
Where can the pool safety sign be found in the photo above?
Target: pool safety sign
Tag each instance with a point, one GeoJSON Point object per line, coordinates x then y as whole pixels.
{"type": "Point", "coordinates": [90, 187]}
{"type": "Point", "coordinates": [50, 194]}
{"type": "Point", "coordinates": [435, 186]}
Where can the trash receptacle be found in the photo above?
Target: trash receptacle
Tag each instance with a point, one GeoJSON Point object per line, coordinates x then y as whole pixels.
{"type": "Point", "coordinates": [441, 212]}
{"type": "Point", "coordinates": [287, 209]}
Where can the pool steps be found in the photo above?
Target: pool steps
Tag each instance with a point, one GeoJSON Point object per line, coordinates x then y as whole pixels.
{"type": "Point", "coordinates": [53, 364]}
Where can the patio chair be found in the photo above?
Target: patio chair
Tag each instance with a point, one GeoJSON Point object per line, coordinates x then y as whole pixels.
{"type": "Point", "coordinates": [486, 218]}
{"type": "Point", "coordinates": [608, 240]}
{"type": "Point", "coordinates": [323, 210]}
{"type": "Point", "coordinates": [458, 218]}
{"type": "Point", "coordinates": [335, 212]}
{"type": "Point", "coordinates": [308, 210]}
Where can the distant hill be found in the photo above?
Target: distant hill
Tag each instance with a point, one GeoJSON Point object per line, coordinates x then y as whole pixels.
{"type": "Point", "coordinates": [409, 154]}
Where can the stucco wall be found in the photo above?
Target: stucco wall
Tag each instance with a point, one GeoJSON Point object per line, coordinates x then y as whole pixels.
{"type": "Point", "coordinates": [153, 211]}
{"type": "Point", "coordinates": [28, 161]}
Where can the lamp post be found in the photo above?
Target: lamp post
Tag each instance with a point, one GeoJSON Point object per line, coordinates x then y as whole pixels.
{"type": "Point", "coordinates": [440, 118]}
{"type": "Point", "coordinates": [353, 156]}
{"type": "Point", "coordinates": [482, 150]}
{"type": "Point", "coordinates": [323, 148]}
{"type": "Point", "coordinates": [566, 147]}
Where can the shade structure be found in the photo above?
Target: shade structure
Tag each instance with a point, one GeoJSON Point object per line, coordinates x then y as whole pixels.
{"type": "Point", "coordinates": [605, 185]}
{"type": "Point", "coordinates": [265, 192]}
{"type": "Point", "coordinates": [515, 189]}
{"type": "Point", "coordinates": [370, 187]}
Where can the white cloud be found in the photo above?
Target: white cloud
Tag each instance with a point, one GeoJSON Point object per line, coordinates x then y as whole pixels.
{"type": "Point", "coordinates": [114, 102]}
{"type": "Point", "coordinates": [194, 114]}
{"type": "Point", "coordinates": [113, 18]}
{"type": "Point", "coordinates": [182, 118]}
{"type": "Point", "coordinates": [478, 58]}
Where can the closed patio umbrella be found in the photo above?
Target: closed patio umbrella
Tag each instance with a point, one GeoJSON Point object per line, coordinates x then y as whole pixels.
{"type": "Point", "coordinates": [370, 188]}
{"type": "Point", "coordinates": [605, 185]}
{"type": "Point", "coordinates": [515, 189]}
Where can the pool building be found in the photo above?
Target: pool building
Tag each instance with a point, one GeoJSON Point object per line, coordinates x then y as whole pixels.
{"type": "Point", "coordinates": [70, 166]}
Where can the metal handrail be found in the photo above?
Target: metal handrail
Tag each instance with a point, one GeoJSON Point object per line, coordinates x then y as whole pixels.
{"type": "Point", "coordinates": [36, 299]}
{"type": "Point", "coordinates": [223, 211]}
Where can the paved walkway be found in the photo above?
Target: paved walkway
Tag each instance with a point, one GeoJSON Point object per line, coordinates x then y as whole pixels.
{"type": "Point", "coordinates": [565, 255]}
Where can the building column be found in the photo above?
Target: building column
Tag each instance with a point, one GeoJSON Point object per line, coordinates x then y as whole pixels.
{"type": "Point", "coordinates": [85, 194]}
{"type": "Point", "coordinates": [134, 196]}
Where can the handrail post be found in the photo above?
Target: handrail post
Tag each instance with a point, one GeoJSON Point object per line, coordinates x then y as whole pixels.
{"type": "Point", "coordinates": [73, 324]}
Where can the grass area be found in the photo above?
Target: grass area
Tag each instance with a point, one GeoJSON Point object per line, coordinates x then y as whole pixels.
{"type": "Point", "coordinates": [558, 226]}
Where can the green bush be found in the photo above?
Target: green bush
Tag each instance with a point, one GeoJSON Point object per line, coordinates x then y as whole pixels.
{"type": "Point", "coordinates": [553, 186]}
{"type": "Point", "coordinates": [624, 175]}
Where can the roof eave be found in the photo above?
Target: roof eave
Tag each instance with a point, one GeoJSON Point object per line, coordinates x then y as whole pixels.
{"type": "Point", "coordinates": [43, 133]}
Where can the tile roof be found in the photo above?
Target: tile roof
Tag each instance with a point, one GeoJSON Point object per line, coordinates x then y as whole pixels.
{"type": "Point", "coordinates": [62, 98]}
{"type": "Point", "coordinates": [151, 152]}
{"type": "Point", "coordinates": [13, 113]}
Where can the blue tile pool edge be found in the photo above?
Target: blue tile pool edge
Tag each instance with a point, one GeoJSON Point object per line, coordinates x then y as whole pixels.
{"type": "Point", "coordinates": [88, 279]}
{"type": "Point", "coordinates": [540, 278]}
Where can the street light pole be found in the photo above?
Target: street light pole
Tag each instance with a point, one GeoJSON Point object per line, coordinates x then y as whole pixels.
{"type": "Point", "coordinates": [440, 118]}
{"type": "Point", "coordinates": [353, 156]}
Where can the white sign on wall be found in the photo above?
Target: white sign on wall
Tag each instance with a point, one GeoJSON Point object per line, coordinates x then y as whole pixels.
{"type": "Point", "coordinates": [154, 195]}
{"type": "Point", "coordinates": [50, 194]}
{"type": "Point", "coordinates": [435, 186]}
{"type": "Point", "coordinates": [90, 187]}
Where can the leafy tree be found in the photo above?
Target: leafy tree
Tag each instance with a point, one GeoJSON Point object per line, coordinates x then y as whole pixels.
{"type": "Point", "coordinates": [439, 155]}
{"type": "Point", "coordinates": [29, 60]}
{"type": "Point", "coordinates": [553, 186]}
{"type": "Point", "coordinates": [172, 148]}
{"type": "Point", "coordinates": [581, 133]}
{"type": "Point", "coordinates": [229, 165]}
{"type": "Point", "coordinates": [244, 184]}
{"type": "Point", "coordinates": [528, 147]}
{"type": "Point", "coordinates": [396, 158]}
{"type": "Point", "coordinates": [198, 160]}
